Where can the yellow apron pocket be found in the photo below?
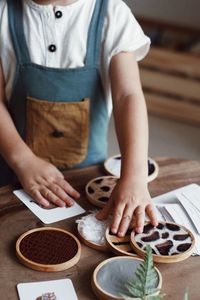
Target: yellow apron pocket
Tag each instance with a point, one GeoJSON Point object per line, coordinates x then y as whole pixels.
{"type": "Point", "coordinates": [58, 131]}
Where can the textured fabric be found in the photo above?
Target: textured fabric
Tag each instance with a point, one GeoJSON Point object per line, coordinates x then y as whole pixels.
{"type": "Point", "coordinates": [59, 87]}
{"type": "Point", "coordinates": [58, 126]}
{"type": "Point", "coordinates": [121, 32]}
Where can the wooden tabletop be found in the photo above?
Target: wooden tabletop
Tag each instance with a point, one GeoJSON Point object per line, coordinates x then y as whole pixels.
{"type": "Point", "coordinates": [15, 219]}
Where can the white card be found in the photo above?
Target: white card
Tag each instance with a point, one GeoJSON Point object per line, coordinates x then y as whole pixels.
{"type": "Point", "coordinates": [61, 289]}
{"type": "Point", "coordinates": [193, 196]}
{"type": "Point", "coordinates": [179, 215]}
{"type": "Point", "coordinates": [190, 210]}
{"type": "Point", "coordinates": [49, 216]}
{"type": "Point", "coordinates": [170, 203]}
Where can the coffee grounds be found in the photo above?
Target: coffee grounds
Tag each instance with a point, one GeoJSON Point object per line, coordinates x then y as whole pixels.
{"type": "Point", "coordinates": [48, 247]}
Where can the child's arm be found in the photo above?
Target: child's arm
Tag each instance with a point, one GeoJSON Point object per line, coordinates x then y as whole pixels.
{"type": "Point", "coordinates": [44, 182]}
{"type": "Point", "coordinates": [130, 198]}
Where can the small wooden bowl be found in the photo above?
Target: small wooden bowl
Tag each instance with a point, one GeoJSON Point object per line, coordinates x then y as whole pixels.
{"type": "Point", "coordinates": [98, 190]}
{"type": "Point", "coordinates": [119, 245]}
{"type": "Point", "coordinates": [91, 244]}
{"type": "Point", "coordinates": [48, 249]}
{"type": "Point", "coordinates": [113, 166]}
{"type": "Point", "coordinates": [102, 288]}
{"type": "Point", "coordinates": [165, 242]}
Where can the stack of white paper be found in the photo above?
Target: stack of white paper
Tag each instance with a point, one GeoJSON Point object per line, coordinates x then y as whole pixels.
{"type": "Point", "coordinates": [182, 206]}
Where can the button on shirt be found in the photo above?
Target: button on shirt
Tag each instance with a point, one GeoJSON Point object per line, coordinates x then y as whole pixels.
{"type": "Point", "coordinates": [68, 34]}
{"type": "Point", "coordinates": [58, 14]}
{"type": "Point", "coordinates": [52, 48]}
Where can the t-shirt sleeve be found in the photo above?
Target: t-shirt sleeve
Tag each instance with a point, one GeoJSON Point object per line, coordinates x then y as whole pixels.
{"type": "Point", "coordinates": [125, 32]}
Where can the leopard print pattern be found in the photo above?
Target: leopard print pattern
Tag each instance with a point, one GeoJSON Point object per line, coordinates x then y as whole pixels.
{"type": "Point", "coordinates": [165, 239]}
{"type": "Point", "coordinates": [100, 189]}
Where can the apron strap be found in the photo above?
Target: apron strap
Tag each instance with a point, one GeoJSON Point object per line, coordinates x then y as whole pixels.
{"type": "Point", "coordinates": [15, 19]}
{"type": "Point", "coordinates": [95, 33]}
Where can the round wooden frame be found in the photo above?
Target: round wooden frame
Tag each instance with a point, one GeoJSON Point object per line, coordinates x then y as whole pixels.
{"type": "Point", "coordinates": [94, 201]}
{"type": "Point", "coordinates": [47, 268]}
{"type": "Point", "coordinates": [91, 244]}
{"type": "Point", "coordinates": [116, 249]}
{"type": "Point", "coordinates": [165, 258]}
{"type": "Point", "coordinates": [150, 177]}
{"type": "Point", "coordinates": [103, 295]}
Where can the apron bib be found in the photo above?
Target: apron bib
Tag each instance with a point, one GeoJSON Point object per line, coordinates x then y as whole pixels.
{"type": "Point", "coordinates": [60, 113]}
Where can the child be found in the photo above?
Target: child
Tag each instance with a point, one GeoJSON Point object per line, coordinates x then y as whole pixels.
{"type": "Point", "coordinates": [59, 61]}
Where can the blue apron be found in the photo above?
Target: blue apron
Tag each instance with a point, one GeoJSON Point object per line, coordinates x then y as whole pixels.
{"type": "Point", "coordinates": [60, 113]}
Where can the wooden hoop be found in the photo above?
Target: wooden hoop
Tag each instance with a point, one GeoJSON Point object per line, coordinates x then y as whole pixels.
{"type": "Point", "coordinates": [42, 267]}
{"type": "Point", "coordinates": [103, 295]}
{"type": "Point", "coordinates": [119, 250]}
{"type": "Point", "coordinates": [151, 177]}
{"type": "Point", "coordinates": [90, 198]}
{"type": "Point", "coordinates": [165, 258]}
{"type": "Point", "coordinates": [91, 244]}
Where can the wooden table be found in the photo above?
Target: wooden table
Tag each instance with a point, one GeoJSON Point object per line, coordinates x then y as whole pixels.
{"type": "Point", "coordinates": [15, 219]}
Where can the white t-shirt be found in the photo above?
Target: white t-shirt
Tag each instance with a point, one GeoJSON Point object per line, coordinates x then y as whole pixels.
{"type": "Point", "coordinates": [121, 32]}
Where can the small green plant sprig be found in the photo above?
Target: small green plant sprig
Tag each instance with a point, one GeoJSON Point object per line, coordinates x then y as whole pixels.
{"type": "Point", "coordinates": [145, 280]}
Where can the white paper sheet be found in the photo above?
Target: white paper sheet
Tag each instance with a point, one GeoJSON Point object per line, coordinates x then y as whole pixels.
{"type": "Point", "coordinates": [49, 216]}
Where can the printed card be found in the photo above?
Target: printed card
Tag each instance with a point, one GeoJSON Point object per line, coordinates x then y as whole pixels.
{"type": "Point", "coordinates": [47, 290]}
{"type": "Point", "coordinates": [48, 216]}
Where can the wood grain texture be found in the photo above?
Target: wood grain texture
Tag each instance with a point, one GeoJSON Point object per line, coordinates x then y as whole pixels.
{"type": "Point", "coordinates": [16, 219]}
{"type": "Point", "coordinates": [172, 62]}
{"type": "Point", "coordinates": [171, 84]}
{"type": "Point", "coordinates": [160, 105]}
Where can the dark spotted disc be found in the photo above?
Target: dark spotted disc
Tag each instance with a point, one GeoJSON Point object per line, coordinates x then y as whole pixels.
{"type": "Point", "coordinates": [170, 242]}
{"type": "Point", "coordinates": [99, 189]}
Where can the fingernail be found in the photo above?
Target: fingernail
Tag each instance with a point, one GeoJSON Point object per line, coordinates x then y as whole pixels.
{"type": "Point", "coordinates": [139, 229]}
{"type": "Point", "coordinates": [114, 230]}
{"type": "Point", "coordinates": [46, 203]}
{"type": "Point", "coordinates": [120, 234]}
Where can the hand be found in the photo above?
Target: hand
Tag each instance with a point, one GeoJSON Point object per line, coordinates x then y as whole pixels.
{"type": "Point", "coordinates": [128, 203]}
{"type": "Point", "coordinates": [45, 183]}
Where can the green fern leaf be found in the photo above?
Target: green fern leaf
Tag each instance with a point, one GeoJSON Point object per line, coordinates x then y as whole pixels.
{"type": "Point", "coordinates": [186, 295]}
{"type": "Point", "coordinates": [145, 279]}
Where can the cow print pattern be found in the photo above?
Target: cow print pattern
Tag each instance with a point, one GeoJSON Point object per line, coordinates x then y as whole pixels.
{"type": "Point", "coordinates": [165, 239]}
{"type": "Point", "coordinates": [100, 189]}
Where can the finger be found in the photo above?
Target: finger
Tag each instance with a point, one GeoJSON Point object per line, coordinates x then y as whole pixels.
{"type": "Point", "coordinates": [105, 212]}
{"type": "Point", "coordinates": [36, 195]}
{"type": "Point", "coordinates": [117, 216]}
{"type": "Point", "coordinates": [51, 197]}
{"type": "Point", "coordinates": [125, 221]}
{"type": "Point", "coordinates": [139, 219]}
{"type": "Point", "coordinates": [67, 188]}
{"type": "Point", "coordinates": [151, 214]}
{"type": "Point", "coordinates": [60, 193]}
{"type": "Point", "coordinates": [132, 223]}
